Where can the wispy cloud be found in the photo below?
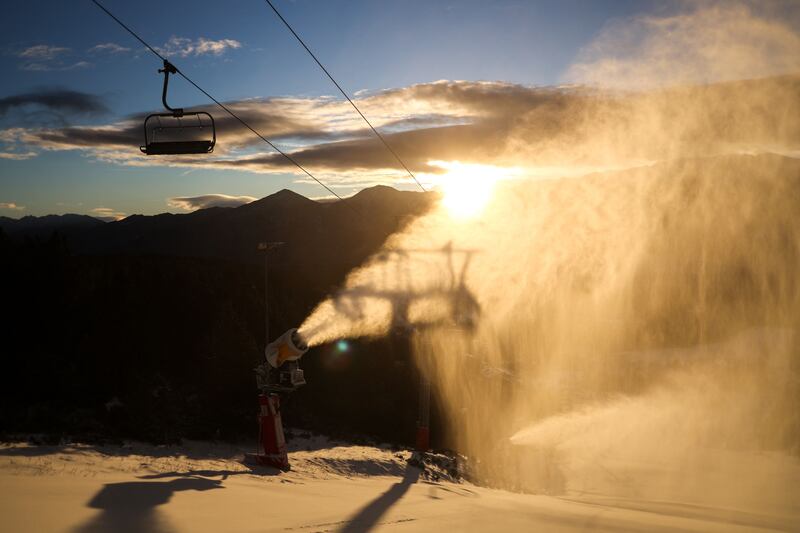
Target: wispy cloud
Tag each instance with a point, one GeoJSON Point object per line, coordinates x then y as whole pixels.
{"type": "Point", "coordinates": [11, 206]}
{"type": "Point", "coordinates": [43, 52]}
{"type": "Point", "coordinates": [109, 48]}
{"type": "Point", "coordinates": [12, 145]}
{"type": "Point", "coordinates": [184, 47]}
{"type": "Point", "coordinates": [47, 58]}
{"type": "Point", "coordinates": [108, 214]}
{"type": "Point", "coordinates": [193, 203]}
{"type": "Point", "coordinates": [50, 67]}
{"type": "Point", "coordinates": [17, 156]}
{"type": "Point", "coordinates": [324, 199]}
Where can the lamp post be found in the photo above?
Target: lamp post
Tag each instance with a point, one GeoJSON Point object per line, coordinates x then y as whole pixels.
{"type": "Point", "coordinates": [271, 445]}
{"type": "Point", "coordinates": [266, 247]}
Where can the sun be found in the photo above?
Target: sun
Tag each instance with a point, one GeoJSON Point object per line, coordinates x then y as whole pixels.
{"type": "Point", "coordinates": [467, 188]}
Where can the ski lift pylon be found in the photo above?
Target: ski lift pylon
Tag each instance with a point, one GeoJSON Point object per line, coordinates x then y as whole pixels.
{"type": "Point", "coordinates": [179, 137]}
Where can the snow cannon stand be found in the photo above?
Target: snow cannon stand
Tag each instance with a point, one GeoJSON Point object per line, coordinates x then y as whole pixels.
{"type": "Point", "coordinates": [271, 441]}
{"type": "Point", "coordinates": [279, 374]}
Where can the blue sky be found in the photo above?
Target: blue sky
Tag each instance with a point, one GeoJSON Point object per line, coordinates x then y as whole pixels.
{"type": "Point", "coordinates": [367, 45]}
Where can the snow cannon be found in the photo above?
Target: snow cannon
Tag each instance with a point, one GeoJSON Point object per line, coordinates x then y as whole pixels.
{"type": "Point", "coordinates": [282, 372]}
{"type": "Point", "coordinates": [288, 347]}
{"type": "Point", "coordinates": [279, 375]}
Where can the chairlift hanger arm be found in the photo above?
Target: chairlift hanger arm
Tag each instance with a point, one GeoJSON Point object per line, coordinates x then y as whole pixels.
{"type": "Point", "coordinates": [168, 69]}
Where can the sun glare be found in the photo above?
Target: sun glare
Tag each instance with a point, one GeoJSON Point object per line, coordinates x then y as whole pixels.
{"type": "Point", "coordinates": [467, 188]}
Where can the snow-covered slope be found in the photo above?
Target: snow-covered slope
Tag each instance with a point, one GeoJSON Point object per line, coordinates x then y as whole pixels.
{"type": "Point", "coordinates": [201, 487]}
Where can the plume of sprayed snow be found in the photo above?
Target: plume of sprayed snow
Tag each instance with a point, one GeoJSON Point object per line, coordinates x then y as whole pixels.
{"type": "Point", "coordinates": [637, 333]}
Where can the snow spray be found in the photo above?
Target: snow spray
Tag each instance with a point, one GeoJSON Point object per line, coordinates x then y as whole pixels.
{"type": "Point", "coordinates": [637, 331]}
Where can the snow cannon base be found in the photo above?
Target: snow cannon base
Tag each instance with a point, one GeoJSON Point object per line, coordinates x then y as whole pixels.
{"type": "Point", "coordinates": [271, 440]}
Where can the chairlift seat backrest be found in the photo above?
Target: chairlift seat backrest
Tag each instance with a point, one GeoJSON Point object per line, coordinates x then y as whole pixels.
{"type": "Point", "coordinates": [175, 145]}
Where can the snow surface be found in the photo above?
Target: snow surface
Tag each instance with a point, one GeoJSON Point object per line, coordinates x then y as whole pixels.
{"type": "Point", "coordinates": [332, 486]}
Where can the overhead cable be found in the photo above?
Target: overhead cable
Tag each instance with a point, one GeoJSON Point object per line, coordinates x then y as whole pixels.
{"type": "Point", "coordinates": [220, 104]}
{"type": "Point", "coordinates": [375, 131]}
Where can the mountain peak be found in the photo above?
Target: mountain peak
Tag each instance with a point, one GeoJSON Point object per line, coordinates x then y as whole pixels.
{"type": "Point", "coordinates": [282, 197]}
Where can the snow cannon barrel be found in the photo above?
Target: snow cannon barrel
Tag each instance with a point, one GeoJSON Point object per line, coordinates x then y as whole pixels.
{"type": "Point", "coordinates": [288, 347]}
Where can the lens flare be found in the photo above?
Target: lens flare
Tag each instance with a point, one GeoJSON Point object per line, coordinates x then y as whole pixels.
{"type": "Point", "coordinates": [342, 346]}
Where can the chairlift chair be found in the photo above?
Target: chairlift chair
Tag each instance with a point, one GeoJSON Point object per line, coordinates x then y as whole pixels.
{"type": "Point", "coordinates": [180, 136]}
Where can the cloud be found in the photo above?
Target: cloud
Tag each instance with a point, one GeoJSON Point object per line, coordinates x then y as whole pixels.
{"type": "Point", "coordinates": [17, 156]}
{"type": "Point", "coordinates": [185, 47]}
{"type": "Point", "coordinates": [474, 142]}
{"type": "Point", "coordinates": [45, 58]}
{"type": "Point", "coordinates": [109, 48]}
{"type": "Point", "coordinates": [43, 52]}
{"type": "Point", "coordinates": [12, 206]}
{"type": "Point", "coordinates": [60, 100]}
{"type": "Point", "coordinates": [107, 214]}
{"type": "Point", "coordinates": [192, 203]}
{"type": "Point", "coordinates": [325, 199]}
{"type": "Point", "coordinates": [320, 125]}
{"type": "Point", "coordinates": [50, 67]}
{"type": "Point", "coordinates": [272, 118]}
{"type": "Point", "coordinates": [541, 129]}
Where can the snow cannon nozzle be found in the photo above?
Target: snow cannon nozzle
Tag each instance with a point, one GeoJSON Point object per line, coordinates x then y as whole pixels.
{"type": "Point", "coordinates": [288, 347]}
{"type": "Point", "coordinates": [299, 341]}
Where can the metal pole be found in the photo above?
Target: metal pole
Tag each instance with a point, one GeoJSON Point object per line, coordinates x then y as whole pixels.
{"type": "Point", "coordinates": [266, 297]}
{"type": "Point", "coordinates": [266, 247]}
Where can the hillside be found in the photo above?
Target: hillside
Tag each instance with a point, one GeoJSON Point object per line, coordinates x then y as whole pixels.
{"type": "Point", "coordinates": [162, 317]}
